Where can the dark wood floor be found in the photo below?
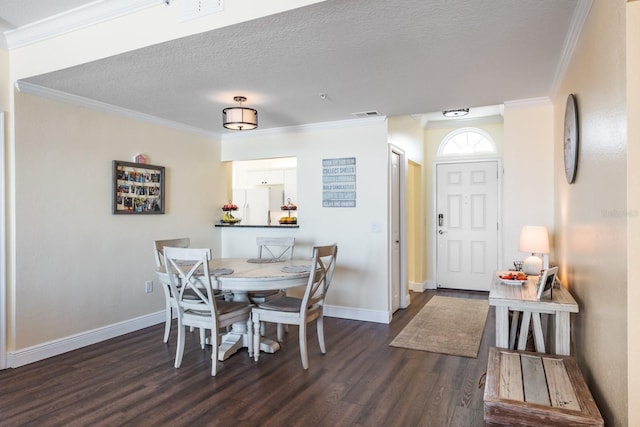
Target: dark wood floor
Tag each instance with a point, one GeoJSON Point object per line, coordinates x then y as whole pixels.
{"type": "Point", "coordinates": [361, 381]}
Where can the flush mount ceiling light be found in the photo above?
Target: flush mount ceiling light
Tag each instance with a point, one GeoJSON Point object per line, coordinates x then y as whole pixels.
{"type": "Point", "coordinates": [239, 118]}
{"type": "Point", "coordinates": [456, 113]}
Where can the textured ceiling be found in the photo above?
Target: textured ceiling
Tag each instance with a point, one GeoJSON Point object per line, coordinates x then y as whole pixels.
{"type": "Point", "coordinates": [395, 57]}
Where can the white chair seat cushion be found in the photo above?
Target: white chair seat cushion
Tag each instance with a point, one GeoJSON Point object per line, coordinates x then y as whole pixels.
{"type": "Point", "coordinates": [225, 307]}
{"type": "Point", "coordinates": [262, 296]}
{"type": "Point", "coordinates": [282, 304]}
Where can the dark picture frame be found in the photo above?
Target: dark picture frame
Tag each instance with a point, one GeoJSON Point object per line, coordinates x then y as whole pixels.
{"type": "Point", "coordinates": [138, 188]}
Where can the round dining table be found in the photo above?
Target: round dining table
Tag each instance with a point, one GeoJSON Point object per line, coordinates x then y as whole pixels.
{"type": "Point", "coordinates": [252, 275]}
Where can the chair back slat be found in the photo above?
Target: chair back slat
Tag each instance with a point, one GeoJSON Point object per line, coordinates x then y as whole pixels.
{"type": "Point", "coordinates": [189, 278]}
{"type": "Point", "coordinates": [159, 245]}
{"type": "Point", "coordinates": [275, 247]}
{"type": "Point", "coordinates": [323, 263]}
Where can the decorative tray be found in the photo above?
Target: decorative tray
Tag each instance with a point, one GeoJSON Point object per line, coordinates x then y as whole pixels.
{"type": "Point", "coordinates": [230, 221]}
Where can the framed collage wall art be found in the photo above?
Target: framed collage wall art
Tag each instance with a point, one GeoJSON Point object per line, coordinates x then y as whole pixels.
{"type": "Point", "coordinates": [138, 188]}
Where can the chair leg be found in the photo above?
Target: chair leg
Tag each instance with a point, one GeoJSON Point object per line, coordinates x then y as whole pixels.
{"type": "Point", "coordinates": [167, 322]}
{"type": "Point", "coordinates": [303, 344]}
{"type": "Point", "coordinates": [280, 334]}
{"type": "Point", "coordinates": [320, 325]}
{"type": "Point", "coordinates": [214, 351]}
{"type": "Point", "coordinates": [203, 338]}
{"type": "Point", "coordinates": [250, 335]}
{"type": "Point", "coordinates": [256, 336]}
{"type": "Point", "coordinates": [179, 346]}
{"type": "Point", "coordinates": [263, 328]}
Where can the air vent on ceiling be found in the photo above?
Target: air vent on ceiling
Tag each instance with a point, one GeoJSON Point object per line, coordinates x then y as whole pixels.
{"type": "Point", "coordinates": [192, 9]}
{"type": "Point", "coordinates": [366, 114]}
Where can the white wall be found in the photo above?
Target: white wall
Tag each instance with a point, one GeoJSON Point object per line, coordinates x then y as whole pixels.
{"type": "Point", "coordinates": [77, 266]}
{"type": "Point", "coordinates": [360, 284]}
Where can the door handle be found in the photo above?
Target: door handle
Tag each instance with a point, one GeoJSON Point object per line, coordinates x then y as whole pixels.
{"type": "Point", "coordinates": [441, 232]}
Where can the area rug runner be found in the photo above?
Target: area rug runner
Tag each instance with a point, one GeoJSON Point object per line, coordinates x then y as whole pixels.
{"type": "Point", "coordinates": [446, 325]}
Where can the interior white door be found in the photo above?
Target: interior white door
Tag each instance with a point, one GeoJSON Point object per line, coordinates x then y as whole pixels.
{"type": "Point", "coordinates": [395, 231]}
{"type": "Point", "coordinates": [466, 224]}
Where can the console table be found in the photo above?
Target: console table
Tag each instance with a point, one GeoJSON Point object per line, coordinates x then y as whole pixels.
{"type": "Point", "coordinates": [522, 298]}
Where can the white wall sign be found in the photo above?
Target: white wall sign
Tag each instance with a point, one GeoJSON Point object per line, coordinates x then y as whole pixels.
{"type": "Point", "coordinates": [339, 183]}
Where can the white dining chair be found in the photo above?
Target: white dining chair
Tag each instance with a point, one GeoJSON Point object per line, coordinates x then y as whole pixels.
{"type": "Point", "coordinates": [301, 311]}
{"type": "Point", "coordinates": [169, 300]}
{"type": "Point", "coordinates": [271, 249]}
{"type": "Point", "coordinates": [275, 248]}
{"type": "Point", "coordinates": [191, 267]}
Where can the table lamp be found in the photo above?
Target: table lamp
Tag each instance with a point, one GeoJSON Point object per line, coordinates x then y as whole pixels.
{"type": "Point", "coordinates": [534, 239]}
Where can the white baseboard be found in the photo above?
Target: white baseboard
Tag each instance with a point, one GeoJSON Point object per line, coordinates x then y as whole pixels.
{"type": "Point", "coordinates": [430, 284]}
{"type": "Point", "coordinates": [53, 348]}
{"type": "Point", "coordinates": [43, 351]}
{"type": "Point", "coordinates": [417, 286]}
{"type": "Point", "coordinates": [352, 313]}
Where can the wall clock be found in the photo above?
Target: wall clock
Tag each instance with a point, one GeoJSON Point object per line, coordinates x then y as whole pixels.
{"type": "Point", "coordinates": [571, 138]}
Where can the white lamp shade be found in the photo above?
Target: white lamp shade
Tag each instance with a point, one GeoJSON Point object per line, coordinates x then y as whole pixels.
{"type": "Point", "coordinates": [534, 239]}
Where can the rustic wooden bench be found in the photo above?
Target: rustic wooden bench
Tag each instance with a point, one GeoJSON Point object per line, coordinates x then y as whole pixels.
{"type": "Point", "coordinates": [534, 389]}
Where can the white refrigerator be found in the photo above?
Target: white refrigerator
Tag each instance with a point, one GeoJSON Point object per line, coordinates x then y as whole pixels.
{"type": "Point", "coordinates": [259, 206]}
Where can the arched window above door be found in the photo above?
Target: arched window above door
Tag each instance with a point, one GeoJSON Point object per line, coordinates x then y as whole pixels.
{"type": "Point", "coordinates": [467, 142]}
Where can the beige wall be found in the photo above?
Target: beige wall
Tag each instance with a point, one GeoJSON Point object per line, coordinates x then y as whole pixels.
{"type": "Point", "coordinates": [528, 173]}
{"type": "Point", "coordinates": [592, 214]}
{"type": "Point", "coordinates": [416, 231]}
{"type": "Point", "coordinates": [633, 205]}
{"type": "Point", "coordinates": [79, 267]}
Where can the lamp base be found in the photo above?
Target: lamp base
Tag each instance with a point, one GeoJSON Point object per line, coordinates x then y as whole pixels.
{"type": "Point", "coordinates": [532, 266]}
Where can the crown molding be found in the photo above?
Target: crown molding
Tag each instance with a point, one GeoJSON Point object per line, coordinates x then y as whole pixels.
{"type": "Point", "coordinates": [75, 19]}
{"type": "Point", "coordinates": [470, 122]}
{"type": "Point", "coordinates": [573, 35]}
{"type": "Point", "coordinates": [32, 89]}
{"type": "Point", "coordinates": [529, 102]}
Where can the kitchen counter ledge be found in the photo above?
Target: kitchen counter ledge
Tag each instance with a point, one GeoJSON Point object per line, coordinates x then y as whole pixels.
{"type": "Point", "coordinates": [256, 226]}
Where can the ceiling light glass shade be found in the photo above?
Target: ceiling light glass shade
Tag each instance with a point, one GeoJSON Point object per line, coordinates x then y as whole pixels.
{"type": "Point", "coordinates": [456, 113]}
{"type": "Point", "coordinates": [239, 118]}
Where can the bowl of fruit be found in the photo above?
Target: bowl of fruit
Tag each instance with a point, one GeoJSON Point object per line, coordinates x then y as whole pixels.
{"type": "Point", "coordinates": [513, 278]}
{"type": "Point", "coordinates": [288, 220]}
{"type": "Point", "coordinates": [229, 206]}
{"type": "Point", "coordinates": [227, 218]}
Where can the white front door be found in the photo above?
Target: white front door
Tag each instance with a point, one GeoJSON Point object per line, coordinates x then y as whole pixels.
{"type": "Point", "coordinates": [466, 224]}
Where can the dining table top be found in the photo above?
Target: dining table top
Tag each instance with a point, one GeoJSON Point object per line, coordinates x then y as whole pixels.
{"type": "Point", "coordinates": [242, 274]}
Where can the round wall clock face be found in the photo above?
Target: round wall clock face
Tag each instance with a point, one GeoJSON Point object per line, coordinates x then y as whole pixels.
{"type": "Point", "coordinates": [571, 138]}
